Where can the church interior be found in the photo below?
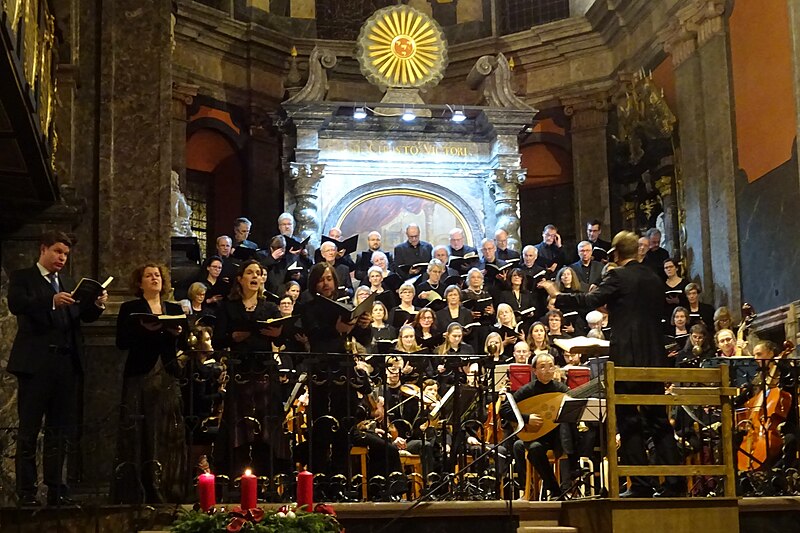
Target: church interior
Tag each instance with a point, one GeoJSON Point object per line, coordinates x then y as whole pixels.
{"type": "Point", "coordinates": [145, 129]}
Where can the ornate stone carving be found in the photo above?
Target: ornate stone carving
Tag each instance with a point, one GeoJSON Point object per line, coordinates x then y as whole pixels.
{"type": "Point", "coordinates": [503, 184]}
{"type": "Point", "coordinates": [587, 111]}
{"type": "Point", "coordinates": [664, 185]}
{"type": "Point", "coordinates": [316, 87]}
{"type": "Point", "coordinates": [181, 212]}
{"type": "Point", "coordinates": [492, 76]}
{"type": "Point", "coordinates": [692, 26]}
{"type": "Point", "coordinates": [304, 180]}
{"type": "Point", "coordinates": [184, 92]}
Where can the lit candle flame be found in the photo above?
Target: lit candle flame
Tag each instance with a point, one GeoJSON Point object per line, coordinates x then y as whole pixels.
{"type": "Point", "coordinates": [248, 472]}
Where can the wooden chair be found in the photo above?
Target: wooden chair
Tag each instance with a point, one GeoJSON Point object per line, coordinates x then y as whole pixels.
{"type": "Point", "coordinates": [415, 480]}
{"type": "Point", "coordinates": [361, 453]}
{"type": "Point", "coordinates": [533, 483]}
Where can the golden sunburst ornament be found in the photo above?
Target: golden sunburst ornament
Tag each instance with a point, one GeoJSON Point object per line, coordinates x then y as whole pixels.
{"type": "Point", "coordinates": [402, 47]}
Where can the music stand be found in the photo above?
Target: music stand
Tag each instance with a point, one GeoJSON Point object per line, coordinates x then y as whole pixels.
{"type": "Point", "coordinates": [571, 411]}
{"type": "Point", "coordinates": [742, 369]}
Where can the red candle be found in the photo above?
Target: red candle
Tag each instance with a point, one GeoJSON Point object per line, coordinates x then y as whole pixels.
{"type": "Point", "coordinates": [248, 490]}
{"type": "Point", "coordinates": [305, 491]}
{"type": "Point", "coordinates": [206, 492]}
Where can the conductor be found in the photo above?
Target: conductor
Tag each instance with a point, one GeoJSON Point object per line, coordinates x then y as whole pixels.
{"type": "Point", "coordinates": [634, 296]}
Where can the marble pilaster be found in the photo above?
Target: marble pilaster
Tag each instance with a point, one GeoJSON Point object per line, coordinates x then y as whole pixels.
{"type": "Point", "coordinates": [263, 161]}
{"type": "Point", "coordinates": [503, 185]}
{"type": "Point", "coordinates": [589, 117]}
{"type": "Point", "coordinates": [794, 23]}
{"type": "Point", "coordinates": [696, 39]}
{"type": "Point", "coordinates": [304, 180]}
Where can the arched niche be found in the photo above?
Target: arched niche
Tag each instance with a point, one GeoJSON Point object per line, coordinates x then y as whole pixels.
{"type": "Point", "coordinates": [388, 206]}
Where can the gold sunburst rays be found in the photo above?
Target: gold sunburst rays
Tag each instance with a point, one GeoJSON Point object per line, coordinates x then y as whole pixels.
{"type": "Point", "coordinates": [402, 47]}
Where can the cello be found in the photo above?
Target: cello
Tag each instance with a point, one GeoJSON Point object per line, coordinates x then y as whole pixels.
{"type": "Point", "coordinates": [765, 410]}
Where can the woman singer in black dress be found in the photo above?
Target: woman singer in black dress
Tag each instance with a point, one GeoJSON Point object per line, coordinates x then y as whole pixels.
{"type": "Point", "coordinates": [151, 456]}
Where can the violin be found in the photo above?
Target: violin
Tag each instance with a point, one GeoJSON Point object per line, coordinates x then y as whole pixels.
{"type": "Point", "coordinates": [764, 413]}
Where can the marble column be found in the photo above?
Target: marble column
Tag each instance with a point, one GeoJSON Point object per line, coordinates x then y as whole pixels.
{"type": "Point", "coordinates": [680, 43]}
{"type": "Point", "coordinates": [135, 136]}
{"type": "Point", "coordinates": [504, 180]}
{"type": "Point", "coordinates": [304, 180]}
{"type": "Point", "coordinates": [589, 117]}
{"type": "Point", "coordinates": [696, 40]}
{"type": "Point", "coordinates": [264, 196]}
{"type": "Point", "coordinates": [503, 185]}
{"type": "Point", "coordinates": [794, 25]}
{"type": "Point", "coordinates": [717, 90]}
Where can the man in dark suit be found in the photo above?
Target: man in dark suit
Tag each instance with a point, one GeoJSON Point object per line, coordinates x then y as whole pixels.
{"type": "Point", "coordinates": [412, 251]}
{"type": "Point", "coordinates": [600, 247]}
{"type": "Point", "coordinates": [503, 251]}
{"type": "Point", "coordinates": [364, 259]}
{"type": "Point", "coordinates": [550, 254]}
{"type": "Point", "coordinates": [634, 297]}
{"type": "Point", "coordinates": [46, 359]}
{"type": "Point", "coordinates": [241, 231]}
{"type": "Point", "coordinates": [589, 271]}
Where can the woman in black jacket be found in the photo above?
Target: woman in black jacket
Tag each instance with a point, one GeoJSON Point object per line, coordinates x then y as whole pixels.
{"type": "Point", "coordinates": [151, 449]}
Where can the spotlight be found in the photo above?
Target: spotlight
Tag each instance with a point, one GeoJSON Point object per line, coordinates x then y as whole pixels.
{"type": "Point", "coordinates": [359, 113]}
{"type": "Point", "coordinates": [408, 115]}
{"type": "Point", "coordinates": [458, 116]}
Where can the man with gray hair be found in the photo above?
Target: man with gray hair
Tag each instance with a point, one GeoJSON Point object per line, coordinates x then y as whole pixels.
{"type": "Point", "coordinates": [503, 251]}
{"type": "Point", "coordinates": [656, 255]}
{"type": "Point", "coordinates": [411, 252]}
{"type": "Point", "coordinates": [589, 271]}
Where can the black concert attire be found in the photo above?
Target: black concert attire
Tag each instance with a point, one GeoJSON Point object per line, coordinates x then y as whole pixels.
{"type": "Point", "coordinates": [463, 268]}
{"type": "Point", "coordinates": [444, 318]}
{"type": "Point", "coordinates": [536, 450]}
{"type": "Point", "coordinates": [634, 296]}
{"type": "Point", "coordinates": [251, 430]}
{"type": "Point", "coordinates": [655, 260]}
{"type": "Point", "coordinates": [151, 443]}
{"type": "Point", "coordinates": [549, 254]}
{"type": "Point", "coordinates": [490, 282]}
{"type": "Point", "coordinates": [364, 262]}
{"type": "Point", "coordinates": [426, 286]}
{"type": "Point", "coordinates": [591, 274]}
{"type": "Point", "coordinates": [676, 296]}
{"type": "Point", "coordinates": [46, 360]}
{"type": "Point", "coordinates": [704, 314]}
{"type": "Point", "coordinates": [406, 254]}
{"type": "Point", "coordinates": [477, 334]}
{"type": "Point", "coordinates": [600, 249]}
{"type": "Point", "coordinates": [334, 386]}
{"type": "Point", "coordinates": [508, 254]}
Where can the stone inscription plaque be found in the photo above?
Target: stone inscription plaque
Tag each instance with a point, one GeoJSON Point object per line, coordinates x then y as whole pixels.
{"type": "Point", "coordinates": [388, 150]}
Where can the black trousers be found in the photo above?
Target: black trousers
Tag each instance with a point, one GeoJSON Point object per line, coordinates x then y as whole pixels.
{"type": "Point", "coordinates": [49, 395]}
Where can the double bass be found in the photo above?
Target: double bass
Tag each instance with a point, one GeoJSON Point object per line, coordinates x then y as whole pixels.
{"type": "Point", "coordinates": [765, 410]}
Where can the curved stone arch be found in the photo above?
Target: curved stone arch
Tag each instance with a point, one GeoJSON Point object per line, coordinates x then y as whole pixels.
{"type": "Point", "coordinates": [474, 226]}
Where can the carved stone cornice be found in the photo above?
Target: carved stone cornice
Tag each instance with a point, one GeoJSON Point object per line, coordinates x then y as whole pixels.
{"type": "Point", "coordinates": [307, 171]}
{"type": "Point", "coordinates": [588, 111]}
{"type": "Point", "coordinates": [691, 27]}
{"type": "Point", "coordinates": [704, 17]}
{"type": "Point", "coordinates": [678, 41]}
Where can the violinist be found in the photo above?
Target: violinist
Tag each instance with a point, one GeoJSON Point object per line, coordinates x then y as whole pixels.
{"type": "Point", "coordinates": [425, 440]}
{"type": "Point", "coordinates": [383, 455]}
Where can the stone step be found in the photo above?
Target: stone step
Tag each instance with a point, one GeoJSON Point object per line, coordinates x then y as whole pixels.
{"type": "Point", "coordinates": [547, 529]}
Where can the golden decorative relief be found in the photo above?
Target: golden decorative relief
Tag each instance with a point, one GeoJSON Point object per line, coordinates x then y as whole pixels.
{"type": "Point", "coordinates": [402, 47]}
{"type": "Point", "coordinates": [643, 114]}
